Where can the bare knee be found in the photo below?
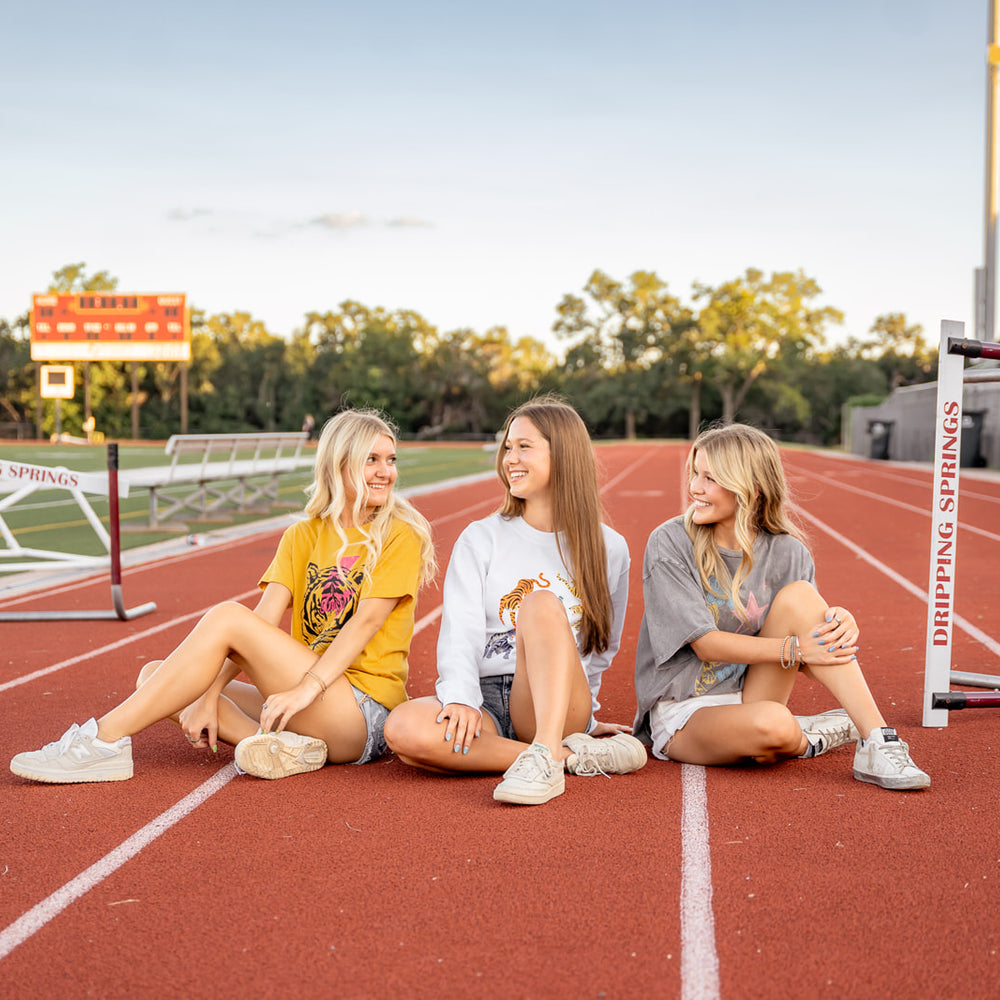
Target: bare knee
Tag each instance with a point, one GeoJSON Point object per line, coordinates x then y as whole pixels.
{"type": "Point", "coordinates": [407, 733]}
{"type": "Point", "coordinates": [540, 607]}
{"type": "Point", "coordinates": [147, 671]}
{"type": "Point", "coordinates": [776, 733]}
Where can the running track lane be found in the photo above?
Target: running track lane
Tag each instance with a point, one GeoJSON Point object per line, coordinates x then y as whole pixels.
{"type": "Point", "coordinates": [608, 964]}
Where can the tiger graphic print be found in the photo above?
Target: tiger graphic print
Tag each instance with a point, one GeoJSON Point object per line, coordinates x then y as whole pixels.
{"type": "Point", "coordinates": [511, 601]}
{"type": "Point", "coordinates": [331, 597]}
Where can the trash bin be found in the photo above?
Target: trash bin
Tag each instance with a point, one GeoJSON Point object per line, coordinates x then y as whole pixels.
{"type": "Point", "coordinates": [881, 432]}
{"type": "Point", "coordinates": [972, 439]}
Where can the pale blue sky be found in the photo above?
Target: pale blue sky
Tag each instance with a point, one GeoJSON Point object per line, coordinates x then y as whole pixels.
{"type": "Point", "coordinates": [476, 162]}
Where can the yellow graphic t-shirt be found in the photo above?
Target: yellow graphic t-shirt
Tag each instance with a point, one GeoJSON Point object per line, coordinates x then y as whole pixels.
{"type": "Point", "coordinates": [325, 593]}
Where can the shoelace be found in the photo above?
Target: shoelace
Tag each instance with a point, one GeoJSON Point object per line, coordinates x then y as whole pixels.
{"type": "Point", "coordinates": [842, 734]}
{"type": "Point", "coordinates": [67, 739]}
{"type": "Point", "coordinates": [588, 763]}
{"type": "Point", "coordinates": [532, 764]}
{"type": "Point", "coordinates": [898, 755]}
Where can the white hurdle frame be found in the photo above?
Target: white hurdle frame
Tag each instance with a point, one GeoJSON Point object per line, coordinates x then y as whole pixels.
{"type": "Point", "coordinates": [938, 675]}
{"type": "Point", "coordinates": [76, 483]}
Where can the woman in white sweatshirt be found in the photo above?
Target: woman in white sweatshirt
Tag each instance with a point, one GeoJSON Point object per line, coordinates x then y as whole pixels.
{"type": "Point", "coordinates": [534, 603]}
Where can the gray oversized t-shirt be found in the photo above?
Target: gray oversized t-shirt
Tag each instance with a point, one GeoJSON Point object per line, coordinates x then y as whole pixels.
{"type": "Point", "coordinates": [677, 611]}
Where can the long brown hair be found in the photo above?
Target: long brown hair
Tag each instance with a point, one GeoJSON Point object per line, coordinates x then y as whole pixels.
{"type": "Point", "coordinates": [746, 462]}
{"type": "Point", "coordinates": [576, 510]}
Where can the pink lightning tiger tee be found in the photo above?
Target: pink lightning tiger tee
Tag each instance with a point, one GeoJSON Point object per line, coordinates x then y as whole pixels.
{"type": "Point", "coordinates": [325, 593]}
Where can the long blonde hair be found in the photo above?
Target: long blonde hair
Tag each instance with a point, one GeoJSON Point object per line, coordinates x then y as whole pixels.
{"type": "Point", "coordinates": [746, 462]}
{"type": "Point", "coordinates": [345, 443]}
{"type": "Point", "coordinates": [576, 510]}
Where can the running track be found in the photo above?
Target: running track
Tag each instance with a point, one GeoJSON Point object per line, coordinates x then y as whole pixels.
{"type": "Point", "coordinates": [379, 881]}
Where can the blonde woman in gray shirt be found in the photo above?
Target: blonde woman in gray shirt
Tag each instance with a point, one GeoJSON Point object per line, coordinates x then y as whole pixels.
{"type": "Point", "coordinates": [732, 616]}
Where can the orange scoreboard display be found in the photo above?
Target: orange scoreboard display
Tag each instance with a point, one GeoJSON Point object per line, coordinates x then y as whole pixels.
{"type": "Point", "coordinates": [107, 326]}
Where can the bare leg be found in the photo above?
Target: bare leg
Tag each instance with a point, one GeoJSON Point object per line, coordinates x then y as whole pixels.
{"type": "Point", "coordinates": [550, 697]}
{"type": "Point", "coordinates": [795, 610]}
{"type": "Point", "coordinates": [763, 728]}
{"type": "Point", "coordinates": [417, 738]}
{"type": "Point", "coordinates": [271, 658]}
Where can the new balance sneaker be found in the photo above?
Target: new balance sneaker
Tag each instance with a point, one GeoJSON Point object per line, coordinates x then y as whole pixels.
{"type": "Point", "coordinates": [884, 759]}
{"type": "Point", "coordinates": [827, 731]}
{"type": "Point", "coordinates": [77, 756]}
{"type": "Point", "coordinates": [279, 755]}
{"type": "Point", "coordinates": [534, 778]}
{"type": "Point", "coordinates": [618, 754]}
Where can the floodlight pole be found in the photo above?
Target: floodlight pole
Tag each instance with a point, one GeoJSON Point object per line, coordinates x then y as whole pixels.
{"type": "Point", "coordinates": [987, 294]}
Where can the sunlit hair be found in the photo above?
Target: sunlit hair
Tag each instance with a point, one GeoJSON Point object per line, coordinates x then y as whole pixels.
{"type": "Point", "coordinates": [338, 486]}
{"type": "Point", "coordinates": [746, 462]}
{"type": "Point", "coordinates": [576, 510]}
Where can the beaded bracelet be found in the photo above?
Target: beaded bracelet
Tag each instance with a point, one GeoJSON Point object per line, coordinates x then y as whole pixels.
{"type": "Point", "coordinates": [319, 681]}
{"type": "Point", "coordinates": [781, 654]}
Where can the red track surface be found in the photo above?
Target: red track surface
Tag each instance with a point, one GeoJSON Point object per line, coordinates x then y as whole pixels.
{"type": "Point", "coordinates": [377, 881]}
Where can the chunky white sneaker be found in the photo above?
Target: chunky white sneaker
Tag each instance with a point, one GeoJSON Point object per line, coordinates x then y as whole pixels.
{"type": "Point", "coordinates": [78, 756]}
{"type": "Point", "coordinates": [884, 759]}
{"type": "Point", "coordinates": [534, 778]}
{"type": "Point", "coordinates": [618, 754]}
{"type": "Point", "coordinates": [278, 755]}
{"type": "Point", "coordinates": [827, 731]}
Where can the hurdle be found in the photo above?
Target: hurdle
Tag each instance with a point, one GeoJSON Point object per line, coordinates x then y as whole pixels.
{"type": "Point", "coordinates": [23, 480]}
{"type": "Point", "coordinates": [939, 699]}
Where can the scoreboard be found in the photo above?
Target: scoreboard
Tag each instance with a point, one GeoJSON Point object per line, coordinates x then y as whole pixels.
{"type": "Point", "coordinates": [107, 326]}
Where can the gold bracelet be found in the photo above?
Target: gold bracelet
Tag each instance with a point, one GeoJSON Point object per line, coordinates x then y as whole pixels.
{"type": "Point", "coordinates": [319, 681]}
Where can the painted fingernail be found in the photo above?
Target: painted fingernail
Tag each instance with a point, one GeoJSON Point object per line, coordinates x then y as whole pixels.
{"type": "Point", "coordinates": [815, 635]}
{"type": "Point", "coordinates": [439, 719]}
{"type": "Point", "coordinates": [829, 618]}
{"type": "Point", "coordinates": [465, 750]}
{"type": "Point", "coordinates": [457, 748]}
{"type": "Point", "coordinates": [215, 748]}
{"type": "Point", "coordinates": [447, 737]}
{"type": "Point", "coordinates": [822, 642]}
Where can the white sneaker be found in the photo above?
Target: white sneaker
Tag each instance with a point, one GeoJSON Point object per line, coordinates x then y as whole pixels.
{"type": "Point", "coordinates": [534, 778]}
{"type": "Point", "coordinates": [618, 754]}
{"type": "Point", "coordinates": [77, 756]}
{"type": "Point", "coordinates": [827, 731]}
{"type": "Point", "coordinates": [278, 755]}
{"type": "Point", "coordinates": [884, 759]}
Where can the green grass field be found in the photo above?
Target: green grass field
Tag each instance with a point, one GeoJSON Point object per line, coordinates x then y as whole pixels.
{"type": "Point", "coordinates": [52, 520]}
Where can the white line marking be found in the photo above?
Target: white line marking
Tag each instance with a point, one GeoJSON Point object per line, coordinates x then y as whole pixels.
{"type": "Point", "coordinates": [39, 915]}
{"type": "Point", "coordinates": [73, 660]}
{"type": "Point", "coordinates": [964, 624]}
{"type": "Point", "coordinates": [900, 503]}
{"type": "Point", "coordinates": [699, 957]}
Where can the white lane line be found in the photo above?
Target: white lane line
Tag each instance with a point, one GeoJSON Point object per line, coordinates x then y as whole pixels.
{"type": "Point", "coordinates": [902, 505]}
{"type": "Point", "coordinates": [91, 654]}
{"type": "Point", "coordinates": [41, 913]}
{"type": "Point", "coordinates": [699, 957]}
{"type": "Point", "coordinates": [963, 623]}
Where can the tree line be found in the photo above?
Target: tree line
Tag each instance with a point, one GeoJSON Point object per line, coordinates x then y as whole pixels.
{"type": "Point", "coordinates": [636, 362]}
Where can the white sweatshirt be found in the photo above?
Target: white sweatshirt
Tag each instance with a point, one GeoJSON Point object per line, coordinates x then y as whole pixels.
{"type": "Point", "coordinates": [494, 563]}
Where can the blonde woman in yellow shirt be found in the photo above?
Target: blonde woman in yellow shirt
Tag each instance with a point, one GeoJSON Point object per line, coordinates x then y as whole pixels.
{"type": "Point", "coordinates": [350, 572]}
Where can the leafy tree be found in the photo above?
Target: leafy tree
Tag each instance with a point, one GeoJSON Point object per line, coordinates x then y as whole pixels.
{"type": "Point", "coordinates": [748, 322]}
{"type": "Point", "coordinates": [622, 329]}
{"type": "Point", "coordinates": [900, 349]}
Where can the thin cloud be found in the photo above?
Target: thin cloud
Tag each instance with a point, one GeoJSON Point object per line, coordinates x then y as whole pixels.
{"type": "Point", "coordinates": [187, 214]}
{"type": "Point", "coordinates": [340, 220]}
{"type": "Point", "coordinates": [410, 221]}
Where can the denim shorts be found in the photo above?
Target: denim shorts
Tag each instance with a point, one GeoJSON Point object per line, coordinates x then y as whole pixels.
{"type": "Point", "coordinates": [496, 704]}
{"type": "Point", "coordinates": [375, 714]}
